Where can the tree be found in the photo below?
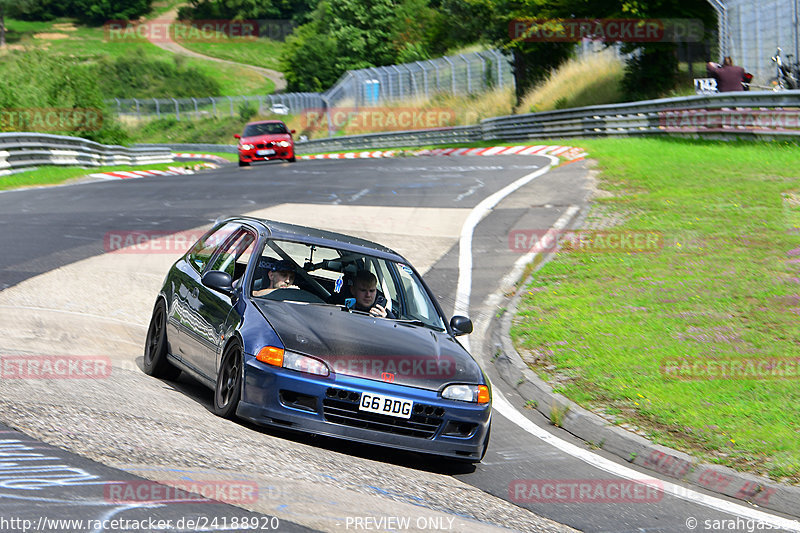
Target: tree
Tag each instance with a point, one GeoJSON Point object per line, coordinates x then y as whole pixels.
{"type": "Point", "coordinates": [341, 35]}
{"type": "Point", "coordinates": [652, 69]}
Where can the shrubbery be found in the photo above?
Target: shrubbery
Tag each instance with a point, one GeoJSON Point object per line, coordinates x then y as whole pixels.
{"type": "Point", "coordinates": [35, 83]}
{"type": "Point", "coordinates": [89, 11]}
{"type": "Point", "coordinates": [137, 76]}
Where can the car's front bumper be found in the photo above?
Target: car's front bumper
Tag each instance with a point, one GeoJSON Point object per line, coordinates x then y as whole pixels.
{"type": "Point", "coordinates": [250, 156]}
{"type": "Point", "coordinates": [329, 406]}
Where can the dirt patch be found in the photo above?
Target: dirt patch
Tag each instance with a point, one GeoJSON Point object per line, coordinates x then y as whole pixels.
{"type": "Point", "coordinates": [50, 36]}
{"type": "Point", "coordinates": [64, 26]}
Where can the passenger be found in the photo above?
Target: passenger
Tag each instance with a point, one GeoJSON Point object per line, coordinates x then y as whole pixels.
{"type": "Point", "coordinates": [281, 276]}
{"type": "Point", "coordinates": [365, 296]}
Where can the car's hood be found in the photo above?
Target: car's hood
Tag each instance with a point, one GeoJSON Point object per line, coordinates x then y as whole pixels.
{"type": "Point", "coordinates": [272, 137]}
{"type": "Point", "coordinates": [374, 348]}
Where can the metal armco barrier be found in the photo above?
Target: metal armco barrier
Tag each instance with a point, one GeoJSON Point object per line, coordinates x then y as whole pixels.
{"type": "Point", "coordinates": [766, 115]}
{"type": "Point", "coordinates": [25, 150]}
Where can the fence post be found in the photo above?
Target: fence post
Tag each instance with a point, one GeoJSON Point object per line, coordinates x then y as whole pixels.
{"type": "Point", "coordinates": [452, 74]}
{"type": "Point", "coordinates": [196, 111]}
{"type": "Point", "coordinates": [483, 69]}
{"type": "Point", "coordinates": [469, 74]}
{"type": "Point", "coordinates": [158, 108]}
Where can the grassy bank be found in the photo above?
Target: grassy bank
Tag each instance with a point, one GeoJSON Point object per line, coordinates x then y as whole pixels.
{"type": "Point", "coordinates": [89, 44]}
{"type": "Point", "coordinates": [607, 326]}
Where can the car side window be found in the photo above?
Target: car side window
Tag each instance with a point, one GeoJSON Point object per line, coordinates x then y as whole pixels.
{"type": "Point", "coordinates": [201, 253]}
{"type": "Point", "coordinates": [234, 257]}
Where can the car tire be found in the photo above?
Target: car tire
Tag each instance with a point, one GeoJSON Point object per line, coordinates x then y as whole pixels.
{"type": "Point", "coordinates": [228, 388]}
{"type": "Point", "coordinates": [292, 159]}
{"type": "Point", "coordinates": [155, 361]}
{"type": "Point", "coordinates": [243, 163]}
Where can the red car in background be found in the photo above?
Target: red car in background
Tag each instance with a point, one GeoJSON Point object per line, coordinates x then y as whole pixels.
{"type": "Point", "coordinates": [265, 140]}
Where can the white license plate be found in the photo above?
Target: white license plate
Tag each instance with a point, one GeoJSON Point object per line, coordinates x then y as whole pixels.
{"type": "Point", "coordinates": [265, 152]}
{"type": "Point", "coordinates": [385, 405]}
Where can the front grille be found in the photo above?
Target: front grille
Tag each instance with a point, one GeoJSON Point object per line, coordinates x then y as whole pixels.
{"type": "Point", "coordinates": [265, 145]}
{"type": "Point", "coordinates": [341, 407]}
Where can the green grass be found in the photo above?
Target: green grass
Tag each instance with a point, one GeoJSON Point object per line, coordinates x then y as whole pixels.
{"type": "Point", "coordinates": [90, 43]}
{"type": "Point", "coordinates": [56, 175]}
{"type": "Point", "coordinates": [722, 287]}
{"type": "Point", "coordinates": [259, 52]}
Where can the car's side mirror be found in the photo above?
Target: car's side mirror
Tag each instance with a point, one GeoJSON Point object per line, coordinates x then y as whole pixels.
{"type": "Point", "coordinates": [293, 132]}
{"type": "Point", "coordinates": [461, 325]}
{"type": "Point", "coordinates": [218, 281]}
{"type": "Point", "coordinates": [237, 136]}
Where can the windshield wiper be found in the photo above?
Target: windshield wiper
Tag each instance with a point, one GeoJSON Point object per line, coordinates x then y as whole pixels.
{"type": "Point", "coordinates": [418, 322]}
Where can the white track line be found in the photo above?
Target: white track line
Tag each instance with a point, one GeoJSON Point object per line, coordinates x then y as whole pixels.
{"type": "Point", "coordinates": [502, 406]}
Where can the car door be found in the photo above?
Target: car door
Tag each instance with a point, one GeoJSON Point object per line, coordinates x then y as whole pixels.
{"type": "Point", "coordinates": [184, 321]}
{"type": "Point", "coordinates": [211, 308]}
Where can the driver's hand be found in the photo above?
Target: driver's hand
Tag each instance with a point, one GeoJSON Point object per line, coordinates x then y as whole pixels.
{"type": "Point", "coordinates": [378, 310]}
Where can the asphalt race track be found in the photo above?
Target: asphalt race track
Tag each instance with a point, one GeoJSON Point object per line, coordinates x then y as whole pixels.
{"type": "Point", "coordinates": [67, 290]}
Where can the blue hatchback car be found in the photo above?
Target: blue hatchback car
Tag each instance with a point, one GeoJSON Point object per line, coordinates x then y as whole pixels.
{"type": "Point", "coordinates": [323, 333]}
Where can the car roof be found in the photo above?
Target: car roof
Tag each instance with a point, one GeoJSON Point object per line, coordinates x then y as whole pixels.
{"type": "Point", "coordinates": [305, 234]}
{"type": "Point", "coordinates": [265, 122]}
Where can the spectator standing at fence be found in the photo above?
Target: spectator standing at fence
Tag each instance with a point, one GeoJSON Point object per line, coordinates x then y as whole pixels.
{"type": "Point", "coordinates": [729, 77]}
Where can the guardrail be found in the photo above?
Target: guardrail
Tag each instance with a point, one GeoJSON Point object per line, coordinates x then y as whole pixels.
{"type": "Point", "coordinates": [26, 150]}
{"type": "Point", "coordinates": [765, 115]}
{"type": "Point", "coordinates": [754, 115]}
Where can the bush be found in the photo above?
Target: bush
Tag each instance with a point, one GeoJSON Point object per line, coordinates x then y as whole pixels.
{"type": "Point", "coordinates": [247, 110]}
{"type": "Point", "coordinates": [137, 76]}
{"type": "Point", "coordinates": [41, 92]}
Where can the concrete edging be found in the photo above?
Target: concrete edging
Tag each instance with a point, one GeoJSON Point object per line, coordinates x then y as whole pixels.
{"type": "Point", "coordinates": [591, 428]}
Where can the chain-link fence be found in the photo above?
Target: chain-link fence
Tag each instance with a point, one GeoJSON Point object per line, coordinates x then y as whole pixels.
{"type": "Point", "coordinates": [216, 106]}
{"type": "Point", "coordinates": [462, 74]}
{"type": "Point", "coordinates": [751, 32]}
{"type": "Point", "coordinates": [471, 73]}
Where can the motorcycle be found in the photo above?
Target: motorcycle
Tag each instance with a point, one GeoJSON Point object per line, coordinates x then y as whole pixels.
{"type": "Point", "coordinates": [787, 73]}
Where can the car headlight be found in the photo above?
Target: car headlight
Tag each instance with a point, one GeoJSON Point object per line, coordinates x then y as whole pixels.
{"type": "Point", "coordinates": [467, 393]}
{"type": "Point", "coordinates": [272, 355]}
{"type": "Point", "coordinates": [246, 146]}
{"type": "Point", "coordinates": [284, 144]}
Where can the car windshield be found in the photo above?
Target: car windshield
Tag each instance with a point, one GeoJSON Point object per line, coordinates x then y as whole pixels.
{"type": "Point", "coordinates": [324, 275]}
{"type": "Point", "coordinates": [252, 130]}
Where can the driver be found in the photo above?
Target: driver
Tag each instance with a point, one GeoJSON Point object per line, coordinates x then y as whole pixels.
{"type": "Point", "coordinates": [281, 276]}
{"type": "Point", "coordinates": [365, 292]}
